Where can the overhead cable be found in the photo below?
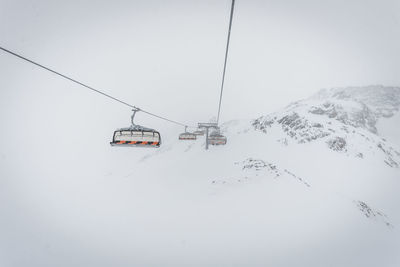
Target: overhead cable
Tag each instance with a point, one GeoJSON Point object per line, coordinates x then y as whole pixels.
{"type": "Point", "coordinates": [89, 87]}
{"type": "Point", "coordinates": [226, 58]}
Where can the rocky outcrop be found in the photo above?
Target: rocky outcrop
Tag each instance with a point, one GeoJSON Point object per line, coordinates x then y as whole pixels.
{"type": "Point", "coordinates": [345, 119]}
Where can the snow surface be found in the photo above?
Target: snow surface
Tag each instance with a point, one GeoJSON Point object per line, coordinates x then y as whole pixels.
{"type": "Point", "coordinates": [285, 191]}
{"type": "Point", "coordinates": [389, 128]}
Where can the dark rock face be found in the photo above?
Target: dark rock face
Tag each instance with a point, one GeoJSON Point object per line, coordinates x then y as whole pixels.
{"type": "Point", "coordinates": [337, 144]}
{"type": "Point", "coordinates": [295, 126]}
{"type": "Point", "coordinates": [362, 117]}
{"type": "Point", "coordinates": [260, 166]}
{"type": "Point", "coordinates": [372, 214]}
{"type": "Point", "coordinates": [390, 155]}
{"type": "Point", "coordinates": [257, 165]}
{"type": "Point", "coordinates": [263, 124]}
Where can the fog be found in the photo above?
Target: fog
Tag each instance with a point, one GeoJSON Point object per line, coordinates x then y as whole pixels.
{"type": "Point", "coordinates": [167, 58]}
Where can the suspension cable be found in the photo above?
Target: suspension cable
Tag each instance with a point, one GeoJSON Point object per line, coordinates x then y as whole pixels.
{"type": "Point", "coordinates": [89, 87]}
{"type": "Point", "coordinates": [226, 57]}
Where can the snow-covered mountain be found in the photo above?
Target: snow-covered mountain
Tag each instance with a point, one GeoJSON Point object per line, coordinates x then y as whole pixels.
{"type": "Point", "coordinates": [345, 119]}
{"type": "Point", "coordinates": [313, 184]}
{"type": "Point", "coordinates": [316, 172]}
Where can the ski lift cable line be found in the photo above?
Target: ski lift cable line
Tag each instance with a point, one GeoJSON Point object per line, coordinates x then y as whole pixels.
{"type": "Point", "coordinates": [226, 58]}
{"type": "Point", "coordinates": [89, 87]}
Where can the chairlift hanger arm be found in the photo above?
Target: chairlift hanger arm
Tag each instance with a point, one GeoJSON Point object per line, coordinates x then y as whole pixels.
{"type": "Point", "coordinates": [133, 115]}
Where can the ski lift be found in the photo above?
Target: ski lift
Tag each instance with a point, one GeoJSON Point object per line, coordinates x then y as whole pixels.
{"type": "Point", "coordinates": [136, 135]}
{"type": "Point", "coordinates": [187, 135]}
{"type": "Point", "coordinates": [216, 138]}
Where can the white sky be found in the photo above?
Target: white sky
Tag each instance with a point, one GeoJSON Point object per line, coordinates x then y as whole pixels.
{"type": "Point", "coordinates": [167, 56]}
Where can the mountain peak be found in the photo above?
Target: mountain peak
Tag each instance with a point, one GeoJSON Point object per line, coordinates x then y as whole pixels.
{"type": "Point", "coordinates": [384, 101]}
{"type": "Point", "coordinates": [345, 119]}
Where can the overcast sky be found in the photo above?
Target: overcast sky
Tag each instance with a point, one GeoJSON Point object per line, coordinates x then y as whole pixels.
{"type": "Point", "coordinates": [167, 56]}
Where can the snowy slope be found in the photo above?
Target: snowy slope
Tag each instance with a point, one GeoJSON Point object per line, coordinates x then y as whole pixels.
{"type": "Point", "coordinates": [389, 128]}
{"type": "Point", "coordinates": [313, 184]}
{"type": "Point", "coordinates": [345, 119]}
{"type": "Point", "coordinates": [314, 169]}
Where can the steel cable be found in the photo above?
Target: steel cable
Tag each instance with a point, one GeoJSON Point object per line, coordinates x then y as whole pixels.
{"type": "Point", "coordinates": [89, 87]}
{"type": "Point", "coordinates": [226, 58]}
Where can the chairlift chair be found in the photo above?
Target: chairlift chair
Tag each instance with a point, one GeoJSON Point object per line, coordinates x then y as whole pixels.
{"type": "Point", "coordinates": [216, 138]}
{"type": "Point", "coordinates": [187, 135]}
{"type": "Point", "coordinates": [136, 136]}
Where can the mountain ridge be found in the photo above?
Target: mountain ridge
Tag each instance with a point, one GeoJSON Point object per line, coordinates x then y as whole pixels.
{"type": "Point", "coordinates": [344, 118]}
